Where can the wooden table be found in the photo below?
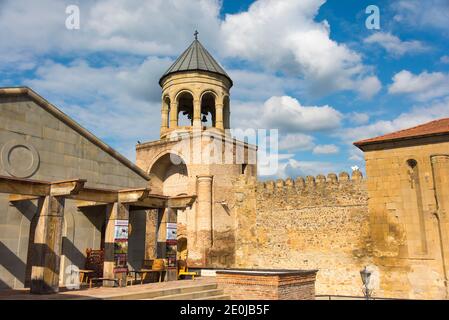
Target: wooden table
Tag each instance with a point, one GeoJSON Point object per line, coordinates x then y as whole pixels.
{"type": "Point", "coordinates": [143, 273]}
{"type": "Point", "coordinates": [85, 274]}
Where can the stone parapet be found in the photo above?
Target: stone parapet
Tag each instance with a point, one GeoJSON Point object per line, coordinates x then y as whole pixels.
{"type": "Point", "coordinates": [332, 179]}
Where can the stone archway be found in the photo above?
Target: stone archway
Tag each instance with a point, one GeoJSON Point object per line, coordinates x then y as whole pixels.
{"type": "Point", "coordinates": [169, 176]}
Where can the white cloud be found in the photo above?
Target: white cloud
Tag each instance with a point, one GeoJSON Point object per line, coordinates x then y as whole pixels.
{"type": "Point", "coordinates": [422, 87]}
{"type": "Point", "coordinates": [152, 27]}
{"type": "Point", "coordinates": [356, 155]}
{"type": "Point", "coordinates": [423, 14]}
{"type": "Point", "coordinates": [416, 116]}
{"type": "Point", "coordinates": [284, 36]}
{"type": "Point", "coordinates": [116, 103]}
{"type": "Point", "coordinates": [395, 46]}
{"type": "Point", "coordinates": [260, 86]}
{"type": "Point", "coordinates": [288, 115]}
{"type": "Point", "coordinates": [358, 117]}
{"type": "Point", "coordinates": [444, 59]}
{"type": "Point", "coordinates": [296, 142]}
{"type": "Point", "coordinates": [294, 168]}
{"type": "Point", "coordinates": [156, 27]}
{"type": "Point", "coordinates": [277, 35]}
{"type": "Point", "coordinates": [326, 149]}
{"type": "Point", "coordinates": [368, 87]}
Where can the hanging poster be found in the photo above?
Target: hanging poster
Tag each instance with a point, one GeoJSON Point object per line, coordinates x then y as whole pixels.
{"type": "Point", "coordinates": [121, 246]}
{"type": "Point", "coordinates": [121, 230]}
{"type": "Point", "coordinates": [171, 231]}
{"type": "Point", "coordinates": [171, 245]}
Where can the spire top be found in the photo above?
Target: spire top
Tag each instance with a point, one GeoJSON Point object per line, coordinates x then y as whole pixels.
{"type": "Point", "coordinates": [196, 33]}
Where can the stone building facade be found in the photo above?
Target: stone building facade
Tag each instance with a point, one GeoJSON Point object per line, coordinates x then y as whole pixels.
{"type": "Point", "coordinates": [408, 187]}
{"type": "Point", "coordinates": [197, 155]}
{"type": "Point", "coordinates": [39, 142]}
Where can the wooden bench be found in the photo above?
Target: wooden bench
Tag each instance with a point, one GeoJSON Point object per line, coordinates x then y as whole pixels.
{"type": "Point", "coordinates": [143, 274]}
{"type": "Point", "coordinates": [116, 281]}
{"type": "Point", "coordinates": [153, 266]}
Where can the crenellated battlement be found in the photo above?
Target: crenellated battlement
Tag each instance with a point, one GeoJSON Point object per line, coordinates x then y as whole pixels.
{"type": "Point", "coordinates": [332, 179]}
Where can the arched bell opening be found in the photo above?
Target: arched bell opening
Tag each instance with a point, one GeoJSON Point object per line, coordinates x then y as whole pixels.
{"type": "Point", "coordinates": [226, 113]}
{"type": "Point", "coordinates": [208, 111]}
{"type": "Point", "coordinates": [185, 109]}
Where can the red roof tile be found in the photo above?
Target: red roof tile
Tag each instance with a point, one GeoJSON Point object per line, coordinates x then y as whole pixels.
{"type": "Point", "coordinates": [436, 127]}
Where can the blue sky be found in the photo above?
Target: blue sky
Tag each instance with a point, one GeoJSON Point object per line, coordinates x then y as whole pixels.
{"type": "Point", "coordinates": [310, 68]}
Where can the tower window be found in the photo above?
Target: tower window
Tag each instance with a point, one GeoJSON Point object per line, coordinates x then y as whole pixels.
{"type": "Point", "coordinates": [208, 110]}
{"type": "Point", "coordinates": [185, 109]}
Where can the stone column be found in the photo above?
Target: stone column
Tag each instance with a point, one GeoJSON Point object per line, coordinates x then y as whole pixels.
{"type": "Point", "coordinates": [440, 168]}
{"type": "Point", "coordinates": [47, 246]}
{"type": "Point", "coordinates": [219, 116]}
{"type": "Point", "coordinates": [197, 113]}
{"type": "Point", "coordinates": [151, 234]}
{"type": "Point", "coordinates": [166, 215]}
{"type": "Point", "coordinates": [173, 115]}
{"type": "Point", "coordinates": [171, 274]}
{"type": "Point", "coordinates": [204, 216]}
{"type": "Point", "coordinates": [162, 232]}
{"type": "Point", "coordinates": [164, 119]}
{"type": "Point", "coordinates": [115, 211]}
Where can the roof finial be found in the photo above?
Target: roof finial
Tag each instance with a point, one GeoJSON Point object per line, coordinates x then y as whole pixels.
{"type": "Point", "coordinates": [196, 34]}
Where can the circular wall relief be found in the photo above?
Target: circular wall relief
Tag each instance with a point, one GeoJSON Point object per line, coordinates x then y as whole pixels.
{"type": "Point", "coordinates": [20, 159]}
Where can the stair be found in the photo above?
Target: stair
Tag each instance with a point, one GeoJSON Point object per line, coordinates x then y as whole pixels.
{"type": "Point", "coordinates": [200, 291]}
{"type": "Point", "coordinates": [220, 297]}
{"type": "Point", "coordinates": [196, 295]}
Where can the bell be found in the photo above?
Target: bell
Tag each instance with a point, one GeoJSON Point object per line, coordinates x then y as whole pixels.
{"type": "Point", "coordinates": [204, 119]}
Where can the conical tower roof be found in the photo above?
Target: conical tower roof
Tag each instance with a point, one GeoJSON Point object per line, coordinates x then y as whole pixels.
{"type": "Point", "coordinates": [195, 58]}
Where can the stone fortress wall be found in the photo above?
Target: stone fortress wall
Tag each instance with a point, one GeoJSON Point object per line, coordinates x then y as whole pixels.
{"type": "Point", "coordinates": [312, 223]}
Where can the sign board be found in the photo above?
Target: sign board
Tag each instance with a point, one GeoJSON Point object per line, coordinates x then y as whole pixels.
{"type": "Point", "coordinates": [171, 231]}
{"type": "Point", "coordinates": [171, 245]}
{"type": "Point", "coordinates": [121, 245]}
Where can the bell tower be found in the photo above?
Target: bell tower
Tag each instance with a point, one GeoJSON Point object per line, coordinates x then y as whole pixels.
{"type": "Point", "coordinates": [195, 93]}
{"type": "Point", "coordinates": [196, 112]}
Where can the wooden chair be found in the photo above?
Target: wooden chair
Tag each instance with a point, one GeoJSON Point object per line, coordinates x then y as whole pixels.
{"type": "Point", "coordinates": [93, 267]}
{"type": "Point", "coordinates": [183, 270]}
{"type": "Point", "coordinates": [95, 261]}
{"type": "Point", "coordinates": [159, 266]}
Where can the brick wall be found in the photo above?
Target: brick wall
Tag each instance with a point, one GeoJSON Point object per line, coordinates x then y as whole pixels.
{"type": "Point", "coordinates": [269, 285]}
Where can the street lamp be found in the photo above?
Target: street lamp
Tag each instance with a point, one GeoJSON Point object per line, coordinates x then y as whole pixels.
{"type": "Point", "coordinates": [366, 275]}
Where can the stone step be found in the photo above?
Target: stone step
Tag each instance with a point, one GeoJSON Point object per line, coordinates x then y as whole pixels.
{"type": "Point", "coordinates": [220, 297]}
{"type": "Point", "coordinates": [200, 295]}
{"type": "Point", "coordinates": [157, 293]}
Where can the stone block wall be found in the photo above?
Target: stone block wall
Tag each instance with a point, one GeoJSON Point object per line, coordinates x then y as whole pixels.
{"type": "Point", "coordinates": [32, 136]}
{"type": "Point", "coordinates": [312, 223]}
{"type": "Point", "coordinates": [408, 188]}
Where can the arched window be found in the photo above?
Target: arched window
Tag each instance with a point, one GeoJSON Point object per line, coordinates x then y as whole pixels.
{"type": "Point", "coordinates": [185, 109]}
{"type": "Point", "coordinates": [208, 110]}
{"type": "Point", "coordinates": [416, 203]}
{"type": "Point", "coordinates": [226, 113]}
